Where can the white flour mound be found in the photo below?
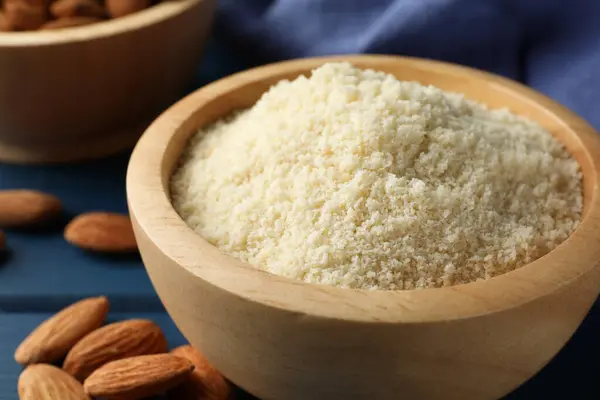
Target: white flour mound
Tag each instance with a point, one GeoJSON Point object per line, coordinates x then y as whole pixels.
{"type": "Point", "coordinates": [356, 179]}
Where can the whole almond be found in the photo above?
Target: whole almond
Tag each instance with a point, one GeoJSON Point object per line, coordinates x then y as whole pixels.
{"type": "Point", "coordinates": [21, 208]}
{"type": "Point", "coordinates": [120, 8]}
{"type": "Point", "coordinates": [112, 342]}
{"type": "Point", "coordinates": [101, 231]}
{"type": "Point", "coordinates": [47, 382]}
{"type": "Point", "coordinates": [32, 3]}
{"type": "Point", "coordinates": [24, 15]}
{"type": "Point", "coordinates": [54, 337]}
{"type": "Point", "coordinates": [205, 383]}
{"type": "Point", "coordinates": [69, 22]}
{"type": "Point", "coordinates": [3, 24]}
{"type": "Point", "coordinates": [77, 8]}
{"type": "Point", "coordinates": [137, 377]}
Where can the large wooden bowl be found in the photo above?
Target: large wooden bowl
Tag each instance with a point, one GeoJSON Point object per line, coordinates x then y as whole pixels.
{"type": "Point", "coordinates": [282, 339]}
{"type": "Point", "coordinates": [90, 91]}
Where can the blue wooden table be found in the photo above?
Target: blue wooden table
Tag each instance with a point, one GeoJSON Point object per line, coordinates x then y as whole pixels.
{"type": "Point", "coordinates": [43, 274]}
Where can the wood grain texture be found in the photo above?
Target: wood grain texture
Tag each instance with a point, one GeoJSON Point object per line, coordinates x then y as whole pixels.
{"type": "Point", "coordinates": [283, 339]}
{"type": "Point", "coordinates": [89, 91]}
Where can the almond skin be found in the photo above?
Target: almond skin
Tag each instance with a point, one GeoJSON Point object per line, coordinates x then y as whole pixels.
{"type": "Point", "coordinates": [69, 22]}
{"type": "Point", "coordinates": [102, 232]}
{"type": "Point", "coordinates": [3, 24]}
{"type": "Point", "coordinates": [77, 8]}
{"type": "Point", "coordinates": [32, 3]}
{"type": "Point", "coordinates": [22, 208]}
{"type": "Point", "coordinates": [24, 15]}
{"type": "Point", "coordinates": [205, 383]}
{"type": "Point", "coordinates": [113, 342]}
{"type": "Point", "coordinates": [120, 8]}
{"type": "Point", "coordinates": [54, 337]}
{"type": "Point", "coordinates": [138, 377]}
{"type": "Point", "coordinates": [47, 382]}
{"type": "Point", "coordinates": [2, 240]}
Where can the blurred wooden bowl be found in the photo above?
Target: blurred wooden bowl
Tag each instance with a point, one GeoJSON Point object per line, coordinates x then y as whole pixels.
{"type": "Point", "coordinates": [90, 91]}
{"type": "Point", "coordinates": [283, 339]}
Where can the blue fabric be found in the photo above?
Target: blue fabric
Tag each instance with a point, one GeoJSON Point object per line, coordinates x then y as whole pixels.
{"type": "Point", "coordinates": [551, 45]}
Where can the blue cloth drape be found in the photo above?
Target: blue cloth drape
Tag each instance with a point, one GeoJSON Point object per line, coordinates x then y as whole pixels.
{"type": "Point", "coordinates": [551, 45]}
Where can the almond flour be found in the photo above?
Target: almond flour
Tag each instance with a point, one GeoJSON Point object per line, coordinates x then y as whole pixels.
{"type": "Point", "coordinates": [353, 178]}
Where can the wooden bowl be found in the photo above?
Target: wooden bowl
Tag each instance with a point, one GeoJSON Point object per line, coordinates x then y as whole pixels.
{"type": "Point", "coordinates": [90, 91]}
{"type": "Point", "coordinates": [283, 339]}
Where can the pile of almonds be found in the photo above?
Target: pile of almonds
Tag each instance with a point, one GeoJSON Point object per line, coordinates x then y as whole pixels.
{"type": "Point", "coordinates": [122, 360]}
{"type": "Point", "coordinates": [30, 15]}
{"type": "Point", "coordinates": [94, 231]}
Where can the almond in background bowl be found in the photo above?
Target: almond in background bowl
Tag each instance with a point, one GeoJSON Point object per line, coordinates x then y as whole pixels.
{"type": "Point", "coordinates": [89, 91]}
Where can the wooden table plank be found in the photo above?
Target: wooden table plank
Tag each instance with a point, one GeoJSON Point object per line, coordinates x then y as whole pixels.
{"type": "Point", "coordinates": [573, 374]}
{"type": "Point", "coordinates": [43, 271]}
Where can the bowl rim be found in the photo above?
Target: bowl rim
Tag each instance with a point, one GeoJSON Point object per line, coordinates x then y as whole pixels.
{"type": "Point", "coordinates": [155, 220]}
{"type": "Point", "coordinates": [112, 27]}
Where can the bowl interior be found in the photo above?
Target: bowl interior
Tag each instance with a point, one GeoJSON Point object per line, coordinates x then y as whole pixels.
{"type": "Point", "coordinates": [168, 135]}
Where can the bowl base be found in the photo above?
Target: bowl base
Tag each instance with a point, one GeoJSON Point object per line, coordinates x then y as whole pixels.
{"type": "Point", "coordinates": [84, 149]}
